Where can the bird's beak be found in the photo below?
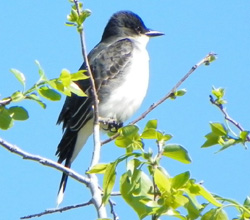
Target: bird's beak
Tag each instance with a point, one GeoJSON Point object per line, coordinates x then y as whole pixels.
{"type": "Point", "coordinates": [151, 33]}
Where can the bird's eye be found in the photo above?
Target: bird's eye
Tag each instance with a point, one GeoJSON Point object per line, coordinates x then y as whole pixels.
{"type": "Point", "coordinates": [138, 30]}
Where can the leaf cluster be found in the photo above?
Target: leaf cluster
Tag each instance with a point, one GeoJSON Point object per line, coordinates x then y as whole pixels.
{"type": "Point", "coordinates": [45, 88]}
{"type": "Point", "coordinates": [221, 134]}
{"type": "Point", "coordinates": [152, 191]}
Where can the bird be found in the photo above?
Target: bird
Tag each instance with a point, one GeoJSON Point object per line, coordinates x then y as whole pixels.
{"type": "Point", "coordinates": [120, 67]}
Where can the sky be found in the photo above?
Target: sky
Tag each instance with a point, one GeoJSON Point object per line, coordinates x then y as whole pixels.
{"type": "Point", "coordinates": [35, 30]}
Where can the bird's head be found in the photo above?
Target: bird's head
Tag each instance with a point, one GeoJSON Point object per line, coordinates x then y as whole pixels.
{"type": "Point", "coordinates": [127, 24]}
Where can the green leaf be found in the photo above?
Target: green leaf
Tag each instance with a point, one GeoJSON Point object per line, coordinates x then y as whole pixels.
{"type": "Point", "coordinates": [109, 181]}
{"type": "Point", "coordinates": [48, 93]}
{"type": "Point", "coordinates": [177, 152]}
{"type": "Point", "coordinates": [212, 139]}
{"type": "Point", "coordinates": [181, 92]}
{"type": "Point", "coordinates": [218, 92]}
{"type": "Point", "coordinates": [98, 168]}
{"type": "Point", "coordinates": [60, 87]}
{"type": "Point", "coordinates": [215, 214]}
{"type": "Point", "coordinates": [135, 190]}
{"type": "Point", "coordinates": [34, 97]}
{"type": "Point", "coordinates": [79, 75]}
{"type": "Point", "coordinates": [17, 96]}
{"type": "Point", "coordinates": [180, 180]}
{"type": "Point", "coordinates": [198, 189]}
{"type": "Point", "coordinates": [41, 71]}
{"type": "Point", "coordinates": [193, 207]}
{"type": "Point", "coordinates": [162, 181]}
{"type": "Point", "coordinates": [244, 135]}
{"type": "Point", "coordinates": [73, 15]}
{"type": "Point", "coordinates": [227, 144]}
{"type": "Point", "coordinates": [129, 130]}
{"type": "Point", "coordinates": [18, 113]}
{"type": "Point", "coordinates": [218, 129]}
{"type": "Point", "coordinates": [83, 15]}
{"type": "Point", "coordinates": [151, 124]}
{"type": "Point", "coordinates": [65, 77]}
{"type": "Point", "coordinates": [150, 133]}
{"type": "Point", "coordinates": [19, 75]}
{"type": "Point", "coordinates": [73, 87]}
{"type": "Point", "coordinates": [6, 120]}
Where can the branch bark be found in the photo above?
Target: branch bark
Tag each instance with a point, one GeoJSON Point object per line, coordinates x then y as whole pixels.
{"type": "Point", "coordinates": [95, 191]}
{"type": "Point", "coordinates": [44, 161]}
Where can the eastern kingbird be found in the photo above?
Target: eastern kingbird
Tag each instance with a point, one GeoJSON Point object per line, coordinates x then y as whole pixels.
{"type": "Point", "coordinates": [120, 67]}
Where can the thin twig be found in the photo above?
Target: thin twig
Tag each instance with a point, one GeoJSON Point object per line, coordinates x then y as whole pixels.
{"type": "Point", "coordinates": [112, 204]}
{"type": "Point", "coordinates": [5, 101]}
{"type": "Point", "coordinates": [227, 117]}
{"type": "Point", "coordinates": [205, 60]}
{"type": "Point", "coordinates": [50, 211]}
{"type": "Point", "coordinates": [96, 193]}
{"type": "Point", "coordinates": [44, 161]}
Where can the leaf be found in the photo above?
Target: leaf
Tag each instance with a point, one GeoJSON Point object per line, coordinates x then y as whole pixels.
{"type": "Point", "coordinates": [48, 93]}
{"type": "Point", "coordinates": [181, 92]}
{"type": "Point", "coordinates": [55, 84]}
{"type": "Point", "coordinates": [79, 75]}
{"type": "Point", "coordinates": [218, 129]}
{"type": "Point", "coordinates": [215, 214]}
{"type": "Point", "coordinates": [17, 96]}
{"type": "Point", "coordinates": [180, 180]}
{"type": "Point", "coordinates": [73, 87]}
{"type": "Point", "coordinates": [19, 75]}
{"type": "Point", "coordinates": [198, 189]}
{"type": "Point", "coordinates": [243, 135]}
{"type": "Point", "coordinates": [129, 130]}
{"type": "Point", "coordinates": [177, 152]}
{"type": "Point", "coordinates": [109, 181]}
{"type": "Point", "coordinates": [151, 124]}
{"type": "Point", "coordinates": [162, 181]}
{"type": "Point", "coordinates": [98, 168]}
{"type": "Point", "coordinates": [6, 121]}
{"type": "Point", "coordinates": [218, 92]}
{"type": "Point", "coordinates": [150, 133]}
{"type": "Point", "coordinates": [83, 15]}
{"type": "Point", "coordinates": [135, 191]}
{"type": "Point", "coordinates": [65, 77]}
{"type": "Point", "coordinates": [193, 207]}
{"type": "Point", "coordinates": [34, 97]}
{"type": "Point", "coordinates": [40, 71]}
{"type": "Point", "coordinates": [212, 139]}
{"type": "Point", "coordinates": [18, 113]}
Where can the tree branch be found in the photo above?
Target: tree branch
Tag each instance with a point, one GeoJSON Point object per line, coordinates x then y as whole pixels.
{"type": "Point", "coordinates": [44, 161]}
{"type": "Point", "coordinates": [96, 193]}
{"type": "Point", "coordinates": [51, 211]}
{"type": "Point", "coordinates": [205, 60]}
{"type": "Point", "coordinates": [227, 116]}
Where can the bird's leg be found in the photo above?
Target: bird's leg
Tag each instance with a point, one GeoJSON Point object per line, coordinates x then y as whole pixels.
{"type": "Point", "coordinates": [110, 124]}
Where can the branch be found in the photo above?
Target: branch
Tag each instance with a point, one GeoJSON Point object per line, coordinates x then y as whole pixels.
{"type": "Point", "coordinates": [96, 193]}
{"type": "Point", "coordinates": [206, 60]}
{"type": "Point", "coordinates": [44, 161]}
{"type": "Point", "coordinates": [50, 211]}
{"type": "Point", "coordinates": [226, 115]}
{"type": "Point", "coordinates": [5, 101]}
{"type": "Point", "coordinates": [112, 204]}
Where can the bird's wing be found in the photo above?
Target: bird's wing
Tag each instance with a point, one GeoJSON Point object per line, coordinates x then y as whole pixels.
{"type": "Point", "coordinates": [107, 61]}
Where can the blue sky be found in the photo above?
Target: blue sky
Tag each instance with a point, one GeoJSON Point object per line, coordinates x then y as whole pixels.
{"type": "Point", "coordinates": [33, 30]}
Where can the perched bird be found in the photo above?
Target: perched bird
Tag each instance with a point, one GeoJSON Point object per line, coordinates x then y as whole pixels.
{"type": "Point", "coordinates": [120, 68]}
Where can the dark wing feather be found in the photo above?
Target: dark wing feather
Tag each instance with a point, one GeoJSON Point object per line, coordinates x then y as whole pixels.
{"type": "Point", "coordinates": [107, 61]}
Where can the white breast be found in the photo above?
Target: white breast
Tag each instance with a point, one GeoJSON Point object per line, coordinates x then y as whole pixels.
{"type": "Point", "coordinates": [127, 98]}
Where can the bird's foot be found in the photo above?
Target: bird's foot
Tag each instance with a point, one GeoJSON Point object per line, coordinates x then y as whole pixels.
{"type": "Point", "coordinates": [110, 124]}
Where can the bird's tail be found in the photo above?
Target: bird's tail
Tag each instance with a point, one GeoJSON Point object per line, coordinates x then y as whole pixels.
{"type": "Point", "coordinates": [62, 188]}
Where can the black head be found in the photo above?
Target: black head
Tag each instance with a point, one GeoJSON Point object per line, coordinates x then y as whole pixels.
{"type": "Point", "coordinates": [127, 24]}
